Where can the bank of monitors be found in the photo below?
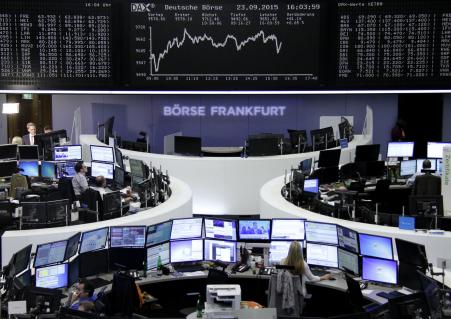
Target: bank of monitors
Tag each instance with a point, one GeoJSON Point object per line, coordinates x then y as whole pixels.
{"type": "Point", "coordinates": [420, 164]}
{"type": "Point", "coordinates": [435, 149]}
{"type": "Point", "coordinates": [72, 246]}
{"type": "Point", "coordinates": [28, 152]}
{"type": "Point", "coordinates": [380, 270]}
{"type": "Point", "coordinates": [376, 246]}
{"type": "Point", "coordinates": [408, 168]}
{"type": "Point", "coordinates": [400, 149]}
{"type": "Point", "coordinates": [186, 228]}
{"type": "Point", "coordinates": [8, 152]}
{"type": "Point", "coordinates": [102, 154]}
{"type": "Point", "coordinates": [94, 240]}
{"type": "Point", "coordinates": [52, 276]}
{"type": "Point", "coordinates": [7, 169]}
{"type": "Point", "coordinates": [220, 229]}
{"type": "Point", "coordinates": [322, 255]}
{"type": "Point", "coordinates": [159, 233]}
{"type": "Point", "coordinates": [288, 229]}
{"type": "Point", "coordinates": [153, 252]}
{"type": "Point", "coordinates": [29, 168]}
{"type": "Point", "coordinates": [50, 253]}
{"type": "Point", "coordinates": [104, 169]}
{"type": "Point", "coordinates": [67, 153]}
{"type": "Point", "coordinates": [348, 239]}
{"type": "Point", "coordinates": [321, 233]}
{"type": "Point", "coordinates": [367, 153]}
{"type": "Point", "coordinates": [48, 170]}
{"type": "Point", "coordinates": [127, 236]}
{"type": "Point", "coordinates": [348, 261]}
{"type": "Point", "coordinates": [279, 250]}
{"type": "Point", "coordinates": [254, 230]}
{"type": "Point", "coordinates": [187, 250]}
{"type": "Point", "coordinates": [222, 250]}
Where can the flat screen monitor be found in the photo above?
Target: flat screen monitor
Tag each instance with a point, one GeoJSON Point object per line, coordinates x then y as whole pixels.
{"type": "Point", "coordinates": [186, 228]}
{"type": "Point", "coordinates": [408, 168]}
{"type": "Point", "coordinates": [66, 169]}
{"type": "Point", "coordinates": [306, 166]}
{"type": "Point", "coordinates": [420, 165]}
{"type": "Point", "coordinates": [29, 168]}
{"type": "Point", "coordinates": [254, 230]}
{"type": "Point", "coordinates": [52, 277]}
{"type": "Point", "coordinates": [94, 240]}
{"type": "Point", "coordinates": [288, 229]}
{"type": "Point", "coordinates": [8, 152]}
{"type": "Point", "coordinates": [137, 168]}
{"type": "Point", "coordinates": [119, 158]}
{"type": "Point", "coordinates": [435, 149]}
{"type": "Point", "coordinates": [50, 253]}
{"type": "Point", "coordinates": [93, 263]}
{"type": "Point", "coordinates": [380, 270]}
{"type": "Point", "coordinates": [158, 233]}
{"type": "Point", "coordinates": [119, 177]}
{"type": "Point", "coordinates": [104, 169]}
{"type": "Point", "coordinates": [278, 250]}
{"type": "Point", "coordinates": [322, 255]}
{"type": "Point", "coordinates": [222, 250]}
{"type": "Point", "coordinates": [102, 154]}
{"type": "Point", "coordinates": [311, 186]}
{"type": "Point", "coordinates": [367, 153]}
{"type": "Point", "coordinates": [28, 152]}
{"type": "Point", "coordinates": [348, 261]}
{"type": "Point", "coordinates": [7, 169]}
{"type": "Point", "coordinates": [72, 246]}
{"type": "Point", "coordinates": [21, 260]}
{"type": "Point", "coordinates": [376, 246]}
{"type": "Point", "coordinates": [321, 233]}
{"type": "Point", "coordinates": [74, 271]}
{"type": "Point", "coordinates": [128, 236]}
{"type": "Point", "coordinates": [348, 239]}
{"type": "Point", "coordinates": [329, 158]}
{"type": "Point", "coordinates": [439, 167]}
{"type": "Point", "coordinates": [67, 153]}
{"type": "Point", "coordinates": [153, 252]}
{"type": "Point", "coordinates": [400, 149]}
{"type": "Point", "coordinates": [187, 250]}
{"type": "Point", "coordinates": [187, 145]}
{"type": "Point", "coordinates": [48, 170]}
{"type": "Point", "coordinates": [411, 253]}
{"type": "Point", "coordinates": [220, 229]}
{"type": "Point", "coordinates": [426, 205]}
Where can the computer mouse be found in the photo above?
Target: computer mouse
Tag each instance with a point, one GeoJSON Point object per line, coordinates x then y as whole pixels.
{"type": "Point", "coordinates": [332, 278]}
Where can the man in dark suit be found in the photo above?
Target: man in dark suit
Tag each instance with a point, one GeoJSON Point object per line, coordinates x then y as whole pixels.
{"type": "Point", "coordinates": [28, 139]}
{"type": "Point", "coordinates": [427, 183]}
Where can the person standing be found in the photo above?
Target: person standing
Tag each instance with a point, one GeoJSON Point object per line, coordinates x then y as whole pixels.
{"type": "Point", "coordinates": [28, 139]}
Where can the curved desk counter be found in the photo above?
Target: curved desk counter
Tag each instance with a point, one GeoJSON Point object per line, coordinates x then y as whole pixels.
{"type": "Point", "coordinates": [226, 185]}
{"type": "Point", "coordinates": [177, 206]}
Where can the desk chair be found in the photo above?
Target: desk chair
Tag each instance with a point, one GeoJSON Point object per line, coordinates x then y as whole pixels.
{"type": "Point", "coordinates": [66, 189]}
{"type": "Point", "coordinates": [348, 171]}
{"type": "Point", "coordinates": [123, 299]}
{"type": "Point", "coordinates": [298, 140]}
{"type": "Point", "coordinates": [427, 184]}
{"type": "Point", "coordinates": [91, 200]}
{"type": "Point", "coordinates": [276, 296]}
{"type": "Point", "coordinates": [381, 193]}
{"type": "Point", "coordinates": [18, 181]}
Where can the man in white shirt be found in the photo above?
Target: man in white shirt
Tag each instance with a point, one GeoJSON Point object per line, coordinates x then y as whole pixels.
{"type": "Point", "coordinates": [100, 185]}
{"type": "Point", "coordinates": [79, 181]}
{"type": "Point", "coordinates": [427, 165]}
{"type": "Point", "coordinates": [28, 139]}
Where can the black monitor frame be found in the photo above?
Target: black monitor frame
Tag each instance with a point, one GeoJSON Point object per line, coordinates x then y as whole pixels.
{"type": "Point", "coordinates": [287, 239]}
{"type": "Point", "coordinates": [396, 305]}
{"type": "Point", "coordinates": [188, 145]}
{"type": "Point", "coordinates": [118, 157]}
{"type": "Point", "coordinates": [8, 152]}
{"type": "Point", "coordinates": [28, 152]}
{"type": "Point", "coordinates": [367, 153]}
{"type": "Point", "coordinates": [68, 254]}
{"type": "Point", "coordinates": [252, 240]}
{"type": "Point", "coordinates": [415, 200]}
{"type": "Point", "coordinates": [411, 253]}
{"type": "Point", "coordinates": [8, 167]}
{"type": "Point", "coordinates": [128, 247]}
{"type": "Point", "coordinates": [69, 159]}
{"type": "Point", "coordinates": [53, 263]}
{"type": "Point", "coordinates": [357, 239]}
{"type": "Point", "coordinates": [92, 230]}
{"type": "Point", "coordinates": [103, 147]}
{"type": "Point", "coordinates": [156, 225]}
{"type": "Point", "coordinates": [329, 158]}
{"type": "Point", "coordinates": [93, 262]}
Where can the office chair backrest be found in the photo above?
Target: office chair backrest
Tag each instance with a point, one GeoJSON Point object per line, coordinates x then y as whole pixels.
{"type": "Point", "coordinates": [427, 184]}
{"type": "Point", "coordinates": [18, 181]}
{"type": "Point", "coordinates": [124, 297]}
{"type": "Point", "coordinates": [66, 189]}
{"type": "Point", "coordinates": [382, 189]}
{"type": "Point", "coordinates": [276, 297]}
{"type": "Point", "coordinates": [217, 277]}
{"type": "Point", "coordinates": [347, 171]}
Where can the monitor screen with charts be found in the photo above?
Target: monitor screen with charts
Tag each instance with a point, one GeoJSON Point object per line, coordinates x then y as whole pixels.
{"type": "Point", "coordinates": [72, 246]}
{"type": "Point", "coordinates": [311, 185]}
{"type": "Point", "coordinates": [28, 152]}
{"type": "Point", "coordinates": [408, 168]}
{"type": "Point", "coordinates": [128, 236]}
{"type": "Point", "coordinates": [376, 246]}
{"type": "Point", "coordinates": [137, 168]}
{"type": "Point", "coordinates": [66, 169]}
{"type": "Point", "coordinates": [222, 250]}
{"type": "Point", "coordinates": [322, 255]}
{"type": "Point", "coordinates": [435, 149]}
{"type": "Point", "coordinates": [48, 170]}
{"type": "Point", "coordinates": [158, 233]}
{"type": "Point", "coordinates": [348, 261]}
{"type": "Point", "coordinates": [220, 229]}
{"type": "Point", "coordinates": [104, 169]}
{"type": "Point", "coordinates": [67, 153]}
{"type": "Point", "coordinates": [278, 251]}
{"type": "Point", "coordinates": [288, 229]}
{"type": "Point", "coordinates": [153, 252]}
{"type": "Point", "coordinates": [94, 240]}
{"type": "Point", "coordinates": [348, 239]}
{"type": "Point", "coordinates": [102, 154]}
{"type": "Point", "coordinates": [321, 233]}
{"type": "Point", "coordinates": [420, 164]}
{"type": "Point", "coordinates": [50, 253]}
{"type": "Point", "coordinates": [187, 250]}
{"type": "Point", "coordinates": [52, 277]}
{"type": "Point", "coordinates": [8, 152]}
{"type": "Point", "coordinates": [29, 168]}
{"type": "Point", "coordinates": [186, 228]}
{"type": "Point", "coordinates": [400, 149]}
{"type": "Point", "coordinates": [380, 270]}
{"type": "Point", "coordinates": [258, 230]}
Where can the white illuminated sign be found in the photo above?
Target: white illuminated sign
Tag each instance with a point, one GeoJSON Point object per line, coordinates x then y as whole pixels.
{"type": "Point", "coordinates": [178, 110]}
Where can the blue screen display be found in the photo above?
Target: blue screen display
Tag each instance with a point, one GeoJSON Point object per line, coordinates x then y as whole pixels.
{"type": "Point", "coordinates": [48, 170]}
{"type": "Point", "coordinates": [406, 222]}
{"type": "Point", "coordinates": [254, 229]}
{"type": "Point", "coordinates": [311, 185]}
{"type": "Point", "coordinates": [52, 276]}
{"type": "Point", "coordinates": [30, 168]}
{"type": "Point", "coordinates": [380, 270]}
{"type": "Point", "coordinates": [220, 229]}
{"type": "Point", "coordinates": [159, 233]}
{"type": "Point", "coordinates": [66, 169]}
{"type": "Point", "coordinates": [376, 246]}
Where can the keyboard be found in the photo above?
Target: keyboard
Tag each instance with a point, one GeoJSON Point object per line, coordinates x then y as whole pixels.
{"type": "Point", "coordinates": [188, 268]}
{"type": "Point", "coordinates": [319, 272]}
{"type": "Point", "coordinates": [390, 295]}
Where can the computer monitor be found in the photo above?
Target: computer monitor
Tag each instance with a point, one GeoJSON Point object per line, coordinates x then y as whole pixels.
{"type": "Point", "coordinates": [128, 236]}
{"type": "Point", "coordinates": [426, 205]}
{"type": "Point", "coordinates": [321, 233]}
{"type": "Point", "coordinates": [367, 153]}
{"type": "Point", "coordinates": [348, 239]}
{"type": "Point", "coordinates": [376, 246]}
{"type": "Point", "coordinates": [119, 158]}
{"type": "Point", "coordinates": [329, 158]}
{"type": "Point", "coordinates": [408, 168]}
{"type": "Point", "coordinates": [67, 153]}
{"type": "Point", "coordinates": [48, 170]}
{"type": "Point", "coordinates": [66, 169]}
{"type": "Point", "coordinates": [380, 270]}
{"type": "Point", "coordinates": [220, 229]}
{"type": "Point", "coordinates": [435, 149]}
{"type": "Point", "coordinates": [50, 253]}
{"type": "Point", "coordinates": [431, 291]}
{"type": "Point", "coordinates": [58, 210]}
{"type": "Point", "coordinates": [400, 149]}
{"type": "Point", "coordinates": [288, 229]}
{"type": "Point", "coordinates": [278, 250]}
{"type": "Point", "coordinates": [21, 260]}
{"type": "Point", "coordinates": [7, 169]}
{"type": "Point", "coordinates": [306, 166]}
{"type": "Point", "coordinates": [104, 169]}
{"type": "Point", "coordinates": [119, 177]}
{"type": "Point", "coordinates": [222, 250]}
{"type": "Point", "coordinates": [102, 154]}
{"type": "Point", "coordinates": [29, 168]}
{"type": "Point", "coordinates": [158, 233]}
{"type": "Point", "coordinates": [186, 228]}
{"type": "Point", "coordinates": [322, 255]}
{"type": "Point", "coordinates": [72, 246]}
{"type": "Point", "coordinates": [34, 211]}
{"type": "Point", "coordinates": [52, 276]}
{"type": "Point", "coordinates": [348, 261]}
{"type": "Point", "coordinates": [8, 152]}
{"type": "Point", "coordinates": [28, 152]}
{"type": "Point", "coordinates": [311, 186]}
{"type": "Point", "coordinates": [93, 263]}
{"type": "Point", "coordinates": [411, 253]}
{"type": "Point", "coordinates": [153, 252]}
{"type": "Point", "coordinates": [187, 145]}
{"type": "Point", "coordinates": [409, 306]}
{"type": "Point", "coordinates": [137, 168]}
{"type": "Point", "coordinates": [74, 271]}
{"type": "Point", "coordinates": [187, 250]}
{"type": "Point", "coordinates": [420, 164]}
{"type": "Point", "coordinates": [254, 230]}
{"type": "Point", "coordinates": [93, 240]}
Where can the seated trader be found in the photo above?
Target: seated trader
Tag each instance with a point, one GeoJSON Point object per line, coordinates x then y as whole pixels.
{"type": "Point", "coordinates": [102, 189]}
{"type": "Point", "coordinates": [84, 292]}
{"type": "Point", "coordinates": [428, 183]}
{"type": "Point", "coordinates": [79, 181]}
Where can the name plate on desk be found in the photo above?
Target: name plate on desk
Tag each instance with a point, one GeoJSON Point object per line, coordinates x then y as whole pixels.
{"type": "Point", "coordinates": [344, 143]}
{"type": "Point", "coordinates": [406, 223]}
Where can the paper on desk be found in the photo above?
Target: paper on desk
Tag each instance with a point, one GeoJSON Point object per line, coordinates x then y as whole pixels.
{"type": "Point", "coordinates": [194, 273]}
{"type": "Point", "coordinates": [367, 291]}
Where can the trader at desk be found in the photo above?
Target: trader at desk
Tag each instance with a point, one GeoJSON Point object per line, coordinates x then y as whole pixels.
{"type": "Point", "coordinates": [100, 186]}
{"type": "Point", "coordinates": [425, 183]}
{"type": "Point", "coordinates": [83, 294]}
{"type": "Point", "coordinates": [79, 181]}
